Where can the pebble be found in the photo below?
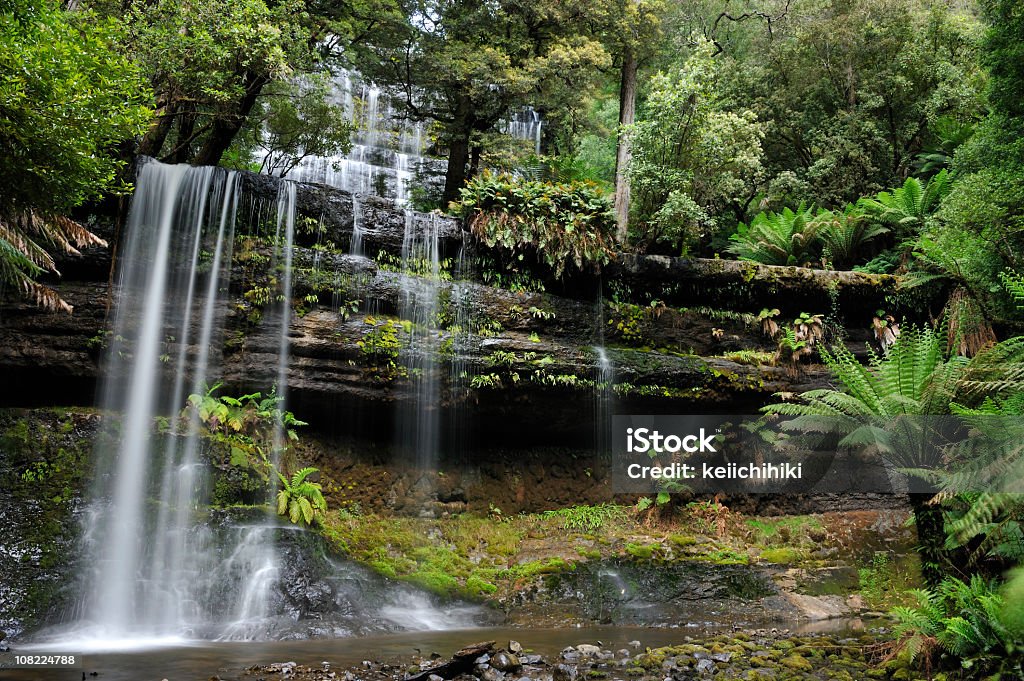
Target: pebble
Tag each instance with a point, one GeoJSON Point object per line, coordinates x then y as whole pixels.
{"type": "Point", "coordinates": [505, 662]}
{"type": "Point", "coordinates": [705, 666]}
{"type": "Point", "coordinates": [515, 647]}
{"type": "Point", "coordinates": [565, 672]}
{"type": "Point", "coordinates": [491, 674]}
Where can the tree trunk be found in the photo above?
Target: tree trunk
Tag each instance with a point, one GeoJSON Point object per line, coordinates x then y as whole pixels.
{"type": "Point", "coordinates": [455, 176]}
{"type": "Point", "coordinates": [183, 148]}
{"type": "Point", "coordinates": [931, 538]}
{"type": "Point", "coordinates": [153, 140]}
{"type": "Point", "coordinates": [225, 128]}
{"type": "Point", "coordinates": [474, 161]}
{"type": "Point", "coordinates": [627, 115]}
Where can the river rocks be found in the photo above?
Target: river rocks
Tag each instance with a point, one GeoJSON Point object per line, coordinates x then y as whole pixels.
{"type": "Point", "coordinates": [505, 662]}
{"type": "Point", "coordinates": [757, 655]}
{"type": "Point", "coordinates": [565, 672]}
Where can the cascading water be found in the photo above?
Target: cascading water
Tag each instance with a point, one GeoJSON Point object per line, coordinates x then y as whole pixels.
{"type": "Point", "coordinates": [388, 149]}
{"type": "Point", "coordinates": [604, 401]}
{"type": "Point", "coordinates": [418, 422]}
{"type": "Point", "coordinates": [154, 564]}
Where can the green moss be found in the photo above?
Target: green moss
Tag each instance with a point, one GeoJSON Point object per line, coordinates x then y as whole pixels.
{"type": "Point", "coordinates": [797, 663]}
{"type": "Point", "coordinates": [438, 582]}
{"type": "Point", "coordinates": [641, 551]}
{"type": "Point", "coordinates": [682, 540]}
{"type": "Point", "coordinates": [783, 556]}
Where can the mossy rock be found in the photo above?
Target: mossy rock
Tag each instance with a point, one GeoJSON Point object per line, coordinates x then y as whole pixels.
{"type": "Point", "coordinates": [797, 663]}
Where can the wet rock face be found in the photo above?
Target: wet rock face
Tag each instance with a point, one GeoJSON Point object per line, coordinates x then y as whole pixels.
{"type": "Point", "coordinates": [627, 592]}
{"type": "Point", "coordinates": [43, 468]}
{"type": "Point", "coordinates": [676, 356]}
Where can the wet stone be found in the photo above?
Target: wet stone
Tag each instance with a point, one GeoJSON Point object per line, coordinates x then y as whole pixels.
{"type": "Point", "coordinates": [565, 672]}
{"type": "Point", "coordinates": [491, 674]}
{"type": "Point", "coordinates": [505, 662]}
{"type": "Point", "coordinates": [705, 666]}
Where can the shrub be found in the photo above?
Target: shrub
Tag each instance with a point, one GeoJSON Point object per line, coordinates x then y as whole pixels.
{"type": "Point", "coordinates": [556, 223]}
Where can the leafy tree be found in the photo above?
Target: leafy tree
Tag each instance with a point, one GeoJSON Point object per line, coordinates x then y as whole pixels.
{"type": "Point", "coordinates": [208, 63]}
{"type": "Point", "coordinates": [1004, 55]}
{"type": "Point", "coordinates": [67, 99]}
{"type": "Point", "coordinates": [692, 158]}
{"type": "Point", "coordinates": [978, 232]}
{"type": "Point", "coordinates": [301, 499]}
{"type": "Point", "coordinates": [467, 65]}
{"type": "Point", "coordinates": [848, 91]}
{"type": "Point", "coordinates": [295, 121]}
{"type": "Point", "coordinates": [634, 26]}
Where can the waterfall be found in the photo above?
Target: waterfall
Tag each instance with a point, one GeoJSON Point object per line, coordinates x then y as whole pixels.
{"type": "Point", "coordinates": [604, 401]}
{"type": "Point", "coordinates": [604, 384]}
{"type": "Point", "coordinates": [459, 343]}
{"type": "Point", "coordinates": [157, 571]}
{"type": "Point", "coordinates": [418, 307]}
{"type": "Point", "coordinates": [389, 149]}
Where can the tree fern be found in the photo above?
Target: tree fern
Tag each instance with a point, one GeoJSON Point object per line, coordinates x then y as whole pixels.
{"type": "Point", "coordinates": [844, 234]}
{"type": "Point", "coordinates": [786, 238]}
{"type": "Point", "coordinates": [907, 207]}
{"type": "Point", "coordinates": [887, 408]}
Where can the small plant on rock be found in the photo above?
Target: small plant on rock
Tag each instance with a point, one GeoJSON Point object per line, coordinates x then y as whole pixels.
{"type": "Point", "coordinates": [300, 499]}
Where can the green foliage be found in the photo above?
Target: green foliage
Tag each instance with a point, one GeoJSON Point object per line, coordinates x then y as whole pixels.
{"type": "Point", "coordinates": [848, 91]}
{"type": "Point", "coordinates": [475, 63]}
{"type": "Point", "coordinates": [381, 347]}
{"type": "Point", "coordinates": [416, 267]}
{"type": "Point", "coordinates": [248, 428]}
{"type": "Point", "coordinates": [906, 208]}
{"type": "Point", "coordinates": [786, 238]}
{"type": "Point", "coordinates": [1004, 55]}
{"type": "Point", "coordinates": [693, 157]}
{"type": "Point", "coordinates": [585, 518]}
{"type": "Point", "coordinates": [556, 223]}
{"type": "Point", "coordinates": [885, 580]}
{"type": "Point", "coordinates": [296, 120]}
{"type": "Point", "coordinates": [300, 499]}
{"type": "Point", "coordinates": [959, 625]}
{"type": "Point", "coordinates": [844, 235]}
{"type": "Point", "coordinates": [208, 63]}
{"type": "Point", "coordinates": [67, 98]}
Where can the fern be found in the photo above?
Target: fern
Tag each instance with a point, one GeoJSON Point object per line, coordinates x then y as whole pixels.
{"type": "Point", "coordinates": [959, 624]}
{"type": "Point", "coordinates": [843, 235]}
{"type": "Point", "coordinates": [786, 238]}
{"type": "Point", "coordinates": [299, 498]}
